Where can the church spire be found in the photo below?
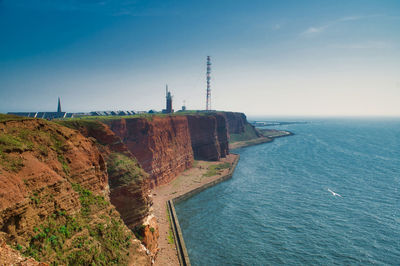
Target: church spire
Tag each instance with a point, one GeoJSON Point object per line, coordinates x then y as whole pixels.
{"type": "Point", "coordinates": [59, 106]}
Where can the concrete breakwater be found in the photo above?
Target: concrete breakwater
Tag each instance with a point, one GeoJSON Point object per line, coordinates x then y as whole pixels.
{"type": "Point", "coordinates": [182, 253]}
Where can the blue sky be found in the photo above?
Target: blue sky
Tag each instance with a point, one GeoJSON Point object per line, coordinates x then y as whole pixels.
{"type": "Point", "coordinates": [324, 58]}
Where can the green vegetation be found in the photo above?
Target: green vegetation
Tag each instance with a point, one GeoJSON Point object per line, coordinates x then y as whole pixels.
{"type": "Point", "coordinates": [89, 200]}
{"type": "Point", "coordinates": [248, 134]}
{"type": "Point", "coordinates": [17, 140]}
{"type": "Point", "coordinates": [6, 118]}
{"type": "Point", "coordinates": [82, 238]}
{"type": "Point", "coordinates": [216, 169]}
{"type": "Point", "coordinates": [35, 199]}
{"type": "Point", "coordinates": [13, 143]}
{"type": "Point", "coordinates": [170, 236]}
{"type": "Point", "coordinates": [126, 168]}
{"type": "Point", "coordinates": [139, 231]}
{"type": "Point", "coordinates": [88, 119]}
{"type": "Point", "coordinates": [85, 122]}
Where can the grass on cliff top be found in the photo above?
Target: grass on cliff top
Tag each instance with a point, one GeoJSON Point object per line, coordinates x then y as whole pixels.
{"type": "Point", "coordinates": [82, 238]}
{"type": "Point", "coordinates": [112, 117]}
{"type": "Point", "coordinates": [146, 116]}
{"type": "Point", "coordinates": [248, 134]}
{"type": "Point", "coordinates": [90, 124]}
{"type": "Point", "coordinates": [6, 118]}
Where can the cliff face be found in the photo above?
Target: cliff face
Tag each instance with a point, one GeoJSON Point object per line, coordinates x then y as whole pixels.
{"type": "Point", "coordinates": [223, 134]}
{"type": "Point", "coordinates": [204, 137]}
{"type": "Point", "coordinates": [238, 127]}
{"type": "Point", "coordinates": [162, 145]}
{"type": "Point", "coordinates": [127, 180]}
{"type": "Point", "coordinates": [54, 202]}
{"type": "Point", "coordinates": [236, 122]}
{"type": "Point", "coordinates": [209, 136]}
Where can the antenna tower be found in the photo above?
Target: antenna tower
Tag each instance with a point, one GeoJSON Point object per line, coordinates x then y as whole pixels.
{"type": "Point", "coordinates": [208, 103]}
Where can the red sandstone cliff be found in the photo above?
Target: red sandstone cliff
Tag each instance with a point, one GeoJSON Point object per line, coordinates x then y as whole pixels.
{"type": "Point", "coordinates": [204, 137]}
{"type": "Point", "coordinates": [162, 145]}
{"type": "Point", "coordinates": [50, 171]}
{"type": "Point", "coordinates": [223, 134]}
{"type": "Point", "coordinates": [54, 197]}
{"type": "Point", "coordinates": [128, 182]}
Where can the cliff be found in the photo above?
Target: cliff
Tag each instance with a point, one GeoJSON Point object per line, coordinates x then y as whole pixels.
{"type": "Point", "coordinates": [54, 203]}
{"type": "Point", "coordinates": [162, 145]}
{"type": "Point", "coordinates": [239, 128]}
{"type": "Point", "coordinates": [127, 180]}
{"type": "Point", "coordinates": [57, 180]}
{"type": "Point", "coordinates": [236, 122]}
{"type": "Point", "coordinates": [203, 134]}
{"type": "Point", "coordinates": [223, 134]}
{"type": "Point", "coordinates": [209, 136]}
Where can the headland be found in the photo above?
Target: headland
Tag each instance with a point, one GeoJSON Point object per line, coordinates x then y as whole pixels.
{"type": "Point", "coordinates": [95, 189]}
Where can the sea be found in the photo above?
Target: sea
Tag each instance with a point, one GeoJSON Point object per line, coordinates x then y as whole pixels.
{"type": "Point", "coordinates": [329, 195]}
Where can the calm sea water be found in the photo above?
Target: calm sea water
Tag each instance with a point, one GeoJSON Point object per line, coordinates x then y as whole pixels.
{"type": "Point", "coordinates": [277, 208]}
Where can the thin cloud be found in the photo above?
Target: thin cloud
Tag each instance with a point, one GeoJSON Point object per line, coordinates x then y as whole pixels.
{"type": "Point", "coordinates": [316, 30]}
{"type": "Point", "coordinates": [313, 30]}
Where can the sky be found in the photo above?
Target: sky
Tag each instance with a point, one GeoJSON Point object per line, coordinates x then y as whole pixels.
{"type": "Point", "coordinates": [276, 58]}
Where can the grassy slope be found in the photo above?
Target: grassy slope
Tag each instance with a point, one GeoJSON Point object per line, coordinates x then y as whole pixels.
{"type": "Point", "coordinates": [248, 134]}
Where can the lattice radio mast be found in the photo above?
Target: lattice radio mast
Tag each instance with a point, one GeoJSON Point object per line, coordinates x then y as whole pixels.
{"type": "Point", "coordinates": [208, 102]}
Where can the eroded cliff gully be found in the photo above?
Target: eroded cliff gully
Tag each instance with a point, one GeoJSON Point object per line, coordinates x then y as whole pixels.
{"type": "Point", "coordinates": [129, 189]}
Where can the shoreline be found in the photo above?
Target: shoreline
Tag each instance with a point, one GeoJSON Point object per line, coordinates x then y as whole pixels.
{"type": "Point", "coordinates": [190, 182]}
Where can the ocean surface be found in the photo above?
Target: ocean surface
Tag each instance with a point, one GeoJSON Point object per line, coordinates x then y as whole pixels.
{"type": "Point", "coordinates": [277, 208]}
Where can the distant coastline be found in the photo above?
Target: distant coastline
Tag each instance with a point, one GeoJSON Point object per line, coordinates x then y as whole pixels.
{"type": "Point", "coordinates": [268, 135]}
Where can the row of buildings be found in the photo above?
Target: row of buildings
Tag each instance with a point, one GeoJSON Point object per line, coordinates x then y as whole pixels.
{"type": "Point", "coordinates": [60, 114]}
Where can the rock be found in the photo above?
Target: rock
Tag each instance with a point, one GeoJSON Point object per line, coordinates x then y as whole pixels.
{"type": "Point", "coordinates": [162, 145]}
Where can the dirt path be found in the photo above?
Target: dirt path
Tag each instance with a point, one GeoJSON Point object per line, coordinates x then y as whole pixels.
{"type": "Point", "coordinates": [185, 182]}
